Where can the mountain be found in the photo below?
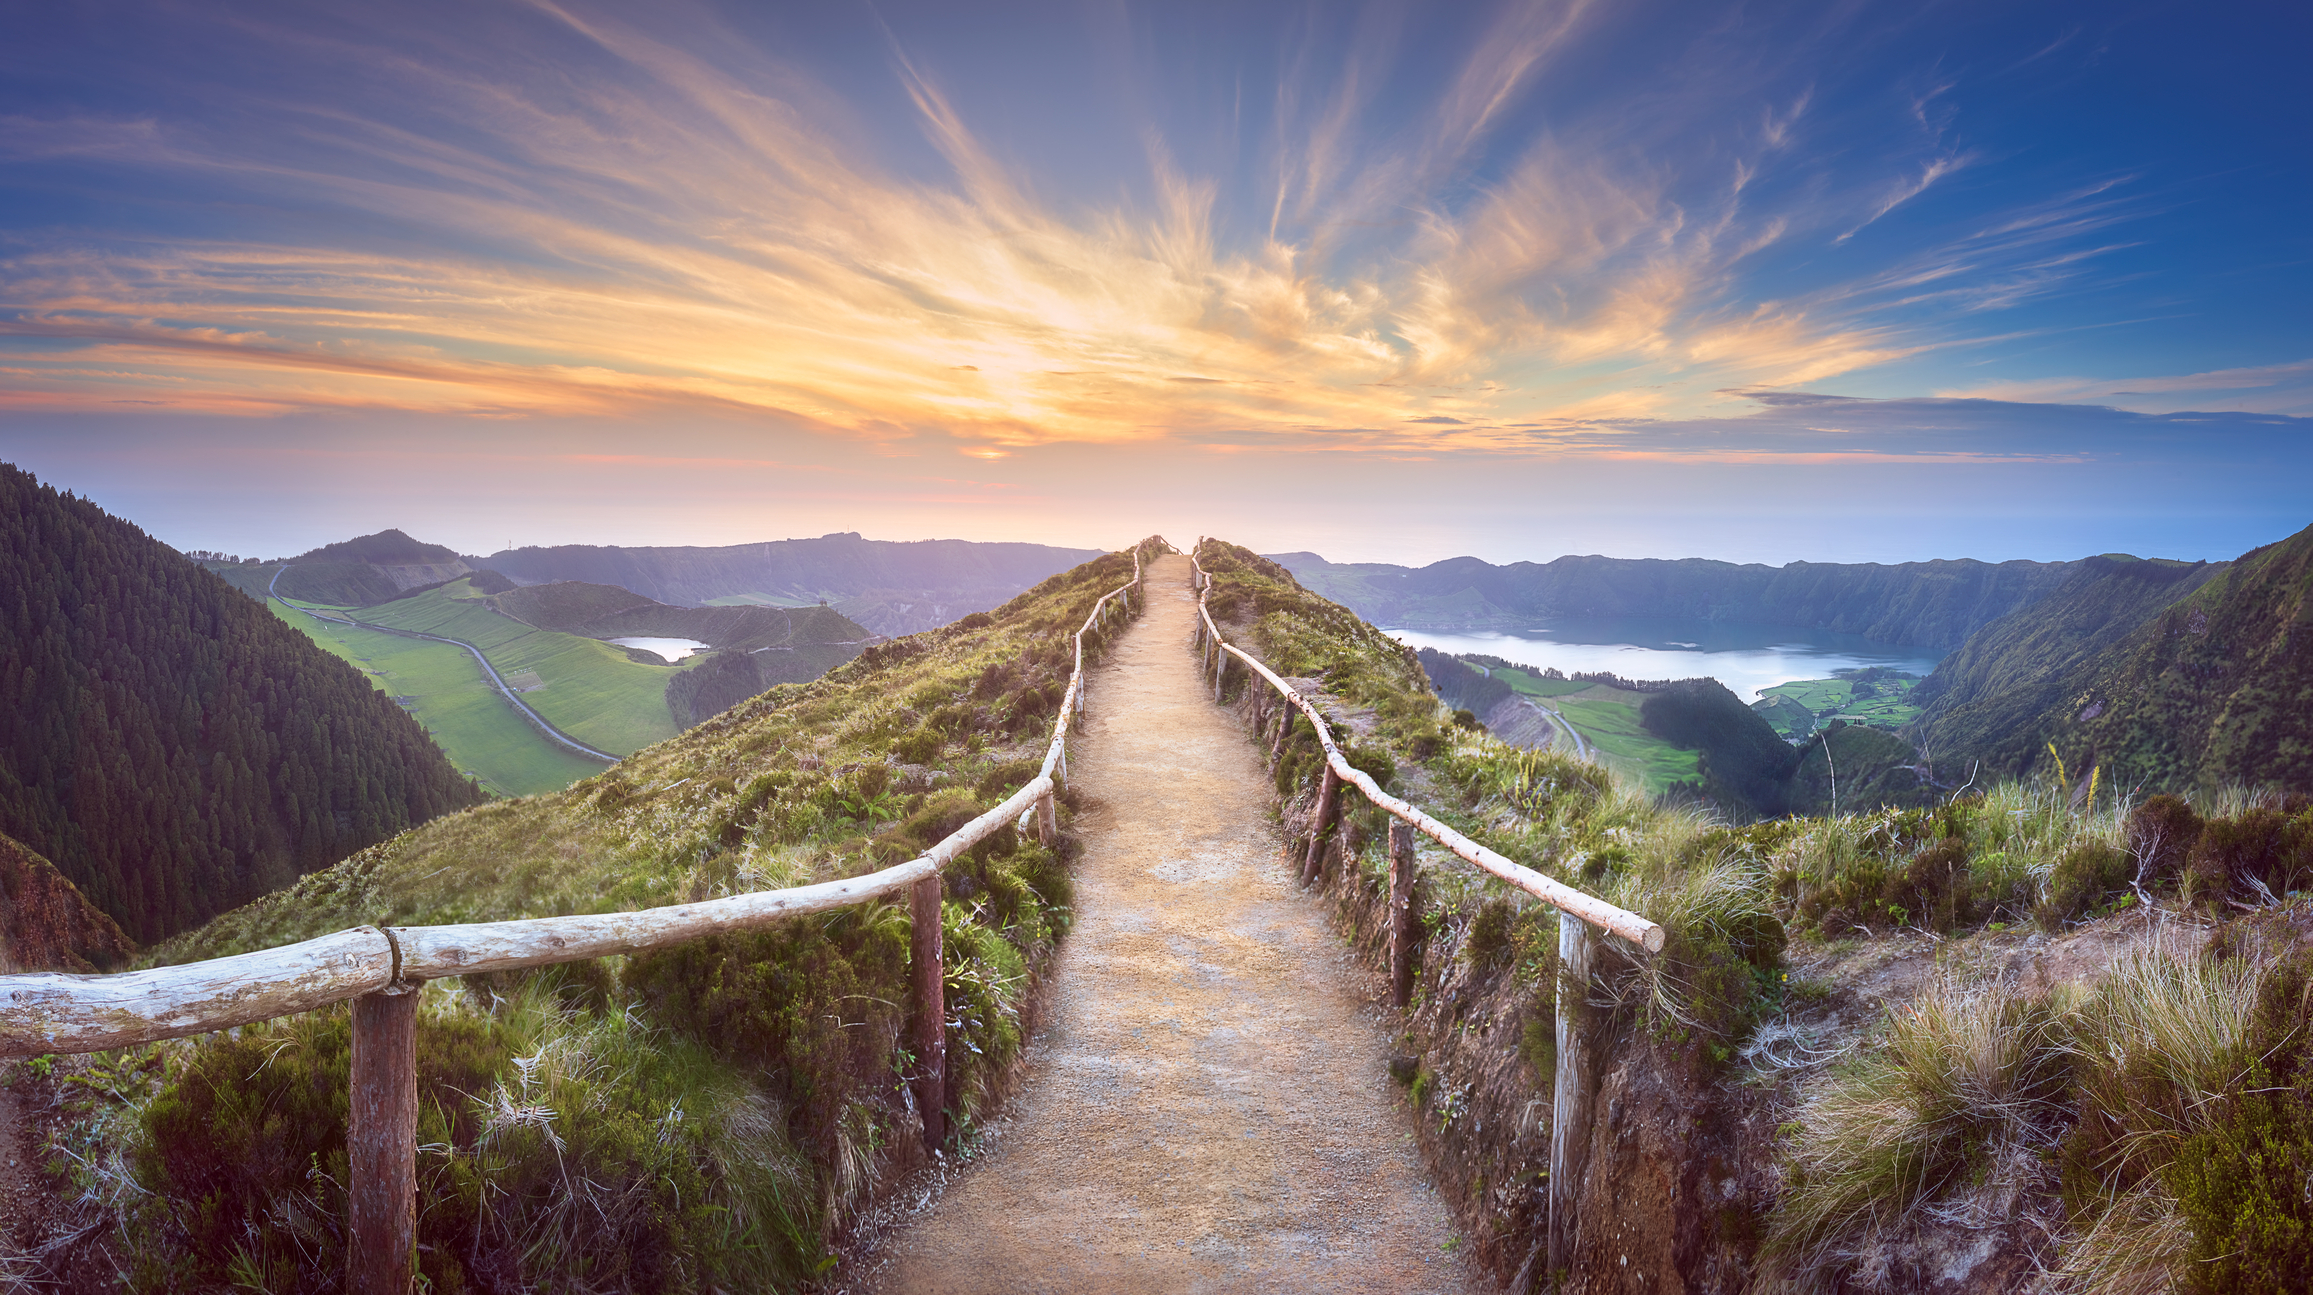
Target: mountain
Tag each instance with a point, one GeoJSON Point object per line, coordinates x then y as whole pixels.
{"type": "Point", "coordinates": [1918, 604]}
{"type": "Point", "coordinates": [172, 747]}
{"type": "Point", "coordinates": [368, 569]}
{"type": "Point", "coordinates": [2170, 675]}
{"type": "Point", "coordinates": [46, 924]}
{"type": "Point", "coordinates": [890, 587]}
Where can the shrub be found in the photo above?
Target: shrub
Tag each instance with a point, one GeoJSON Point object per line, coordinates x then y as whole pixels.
{"type": "Point", "coordinates": [2161, 833]}
{"type": "Point", "coordinates": [2262, 851]}
{"type": "Point", "coordinates": [1963, 1087]}
{"type": "Point", "coordinates": [611, 1162]}
{"type": "Point", "coordinates": [1373, 762]}
{"type": "Point", "coordinates": [1487, 945]}
{"type": "Point", "coordinates": [2088, 875]}
{"type": "Point", "coordinates": [920, 745]}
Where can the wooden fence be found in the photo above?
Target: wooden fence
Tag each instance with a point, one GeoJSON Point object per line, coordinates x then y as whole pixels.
{"type": "Point", "coordinates": [381, 967]}
{"type": "Point", "coordinates": [1577, 912]}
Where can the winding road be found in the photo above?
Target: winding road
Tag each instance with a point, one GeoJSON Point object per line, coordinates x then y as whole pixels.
{"type": "Point", "coordinates": [488, 669]}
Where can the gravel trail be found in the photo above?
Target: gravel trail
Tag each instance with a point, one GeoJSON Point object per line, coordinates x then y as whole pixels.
{"type": "Point", "coordinates": [1209, 1107]}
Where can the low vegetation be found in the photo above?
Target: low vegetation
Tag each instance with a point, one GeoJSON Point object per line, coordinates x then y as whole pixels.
{"type": "Point", "coordinates": [709, 1117]}
{"type": "Point", "coordinates": [2153, 1115]}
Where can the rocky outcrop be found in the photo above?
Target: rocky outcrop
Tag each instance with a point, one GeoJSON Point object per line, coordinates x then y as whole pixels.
{"type": "Point", "coordinates": [45, 922]}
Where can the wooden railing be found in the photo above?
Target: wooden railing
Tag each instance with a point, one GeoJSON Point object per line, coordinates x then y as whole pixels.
{"type": "Point", "coordinates": [1577, 912]}
{"type": "Point", "coordinates": [381, 968]}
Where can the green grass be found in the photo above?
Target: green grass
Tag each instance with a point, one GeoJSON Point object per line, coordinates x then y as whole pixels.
{"type": "Point", "coordinates": [442, 687]}
{"type": "Point", "coordinates": [461, 709]}
{"type": "Point", "coordinates": [592, 690]}
{"type": "Point", "coordinates": [1827, 698]}
{"type": "Point", "coordinates": [1608, 720]}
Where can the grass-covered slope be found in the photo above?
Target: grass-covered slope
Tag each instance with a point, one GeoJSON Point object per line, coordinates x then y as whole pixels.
{"type": "Point", "coordinates": [2031, 1036]}
{"type": "Point", "coordinates": [592, 690]}
{"type": "Point", "coordinates": [700, 1119]}
{"type": "Point", "coordinates": [169, 746]}
{"type": "Point", "coordinates": [2209, 680]}
{"type": "Point", "coordinates": [441, 687]}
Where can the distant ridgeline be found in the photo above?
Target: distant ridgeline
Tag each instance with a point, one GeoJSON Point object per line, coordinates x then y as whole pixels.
{"type": "Point", "coordinates": [753, 647]}
{"type": "Point", "coordinates": [2170, 676]}
{"type": "Point", "coordinates": [889, 587]}
{"type": "Point", "coordinates": [1913, 604]}
{"type": "Point", "coordinates": [171, 746]}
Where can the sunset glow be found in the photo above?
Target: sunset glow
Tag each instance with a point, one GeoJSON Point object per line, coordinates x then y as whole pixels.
{"type": "Point", "coordinates": [1547, 233]}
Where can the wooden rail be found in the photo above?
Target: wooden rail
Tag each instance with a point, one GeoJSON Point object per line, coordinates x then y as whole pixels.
{"type": "Point", "coordinates": [381, 967]}
{"type": "Point", "coordinates": [1577, 912]}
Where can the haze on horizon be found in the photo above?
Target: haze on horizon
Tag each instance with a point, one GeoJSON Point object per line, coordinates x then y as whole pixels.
{"type": "Point", "coordinates": [1389, 282]}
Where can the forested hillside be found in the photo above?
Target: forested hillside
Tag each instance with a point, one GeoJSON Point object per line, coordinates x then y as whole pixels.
{"type": "Point", "coordinates": [2170, 676]}
{"type": "Point", "coordinates": [1918, 604]}
{"type": "Point", "coordinates": [171, 746]}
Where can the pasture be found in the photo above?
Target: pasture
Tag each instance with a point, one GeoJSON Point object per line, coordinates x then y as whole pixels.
{"type": "Point", "coordinates": [1608, 720]}
{"type": "Point", "coordinates": [588, 688]}
{"type": "Point", "coordinates": [442, 687]}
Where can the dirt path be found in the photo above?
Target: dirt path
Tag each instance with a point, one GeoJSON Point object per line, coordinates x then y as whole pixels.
{"type": "Point", "coordinates": [1210, 1107]}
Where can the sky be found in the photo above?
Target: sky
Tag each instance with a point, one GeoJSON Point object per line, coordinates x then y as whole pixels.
{"type": "Point", "coordinates": [1831, 281]}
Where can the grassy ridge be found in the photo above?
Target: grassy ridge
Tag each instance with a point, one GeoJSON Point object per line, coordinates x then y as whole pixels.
{"type": "Point", "coordinates": [2151, 1130]}
{"type": "Point", "coordinates": [705, 1118]}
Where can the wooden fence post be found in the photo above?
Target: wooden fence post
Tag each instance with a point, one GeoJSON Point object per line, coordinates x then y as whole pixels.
{"type": "Point", "coordinates": [1220, 672]}
{"type": "Point", "coordinates": [1570, 1100]}
{"type": "Point", "coordinates": [1047, 822]}
{"type": "Point", "coordinates": [1285, 713]}
{"type": "Point", "coordinates": [381, 1144]}
{"type": "Point", "coordinates": [928, 1033]}
{"type": "Point", "coordinates": [1328, 802]}
{"type": "Point", "coordinates": [1403, 921]}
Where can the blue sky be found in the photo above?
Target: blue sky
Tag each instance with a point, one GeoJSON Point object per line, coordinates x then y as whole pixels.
{"type": "Point", "coordinates": [1390, 282]}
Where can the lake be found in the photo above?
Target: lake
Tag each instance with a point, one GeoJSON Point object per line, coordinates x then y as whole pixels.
{"type": "Point", "coordinates": [1745, 657]}
{"type": "Point", "coordinates": [669, 649]}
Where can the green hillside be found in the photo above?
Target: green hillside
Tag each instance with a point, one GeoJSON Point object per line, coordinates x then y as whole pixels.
{"type": "Point", "coordinates": [2169, 676]}
{"type": "Point", "coordinates": [443, 689]}
{"type": "Point", "coordinates": [720, 1112]}
{"type": "Point", "coordinates": [587, 688]}
{"type": "Point", "coordinates": [172, 748]}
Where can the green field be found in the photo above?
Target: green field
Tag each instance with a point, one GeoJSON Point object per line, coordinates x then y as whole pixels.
{"type": "Point", "coordinates": [442, 687]}
{"type": "Point", "coordinates": [589, 689]}
{"type": "Point", "coordinates": [1608, 720]}
{"type": "Point", "coordinates": [1825, 699]}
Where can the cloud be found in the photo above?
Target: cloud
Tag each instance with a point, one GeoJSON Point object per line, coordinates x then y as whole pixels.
{"type": "Point", "coordinates": [2268, 389]}
{"type": "Point", "coordinates": [633, 218]}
